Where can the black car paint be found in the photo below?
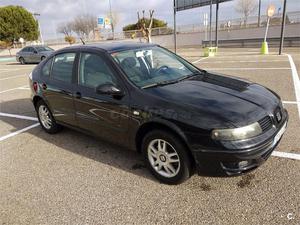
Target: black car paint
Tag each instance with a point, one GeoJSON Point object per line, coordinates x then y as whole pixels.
{"type": "Point", "coordinates": [190, 108]}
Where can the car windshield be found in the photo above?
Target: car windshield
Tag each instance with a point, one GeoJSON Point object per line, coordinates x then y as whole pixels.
{"type": "Point", "coordinates": [43, 48]}
{"type": "Point", "coordinates": [152, 66]}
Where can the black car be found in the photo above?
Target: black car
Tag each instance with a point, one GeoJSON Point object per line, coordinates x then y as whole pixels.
{"type": "Point", "coordinates": [144, 97]}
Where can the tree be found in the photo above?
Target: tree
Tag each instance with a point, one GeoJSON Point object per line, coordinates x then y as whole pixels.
{"type": "Point", "coordinates": [156, 23]}
{"type": "Point", "coordinates": [65, 28]}
{"type": "Point", "coordinates": [246, 7]}
{"type": "Point", "coordinates": [83, 25]}
{"type": "Point", "coordinates": [17, 22]}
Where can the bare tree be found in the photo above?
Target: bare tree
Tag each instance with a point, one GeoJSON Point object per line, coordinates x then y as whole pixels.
{"type": "Point", "coordinates": [146, 31]}
{"type": "Point", "coordinates": [65, 28]}
{"type": "Point", "coordinates": [246, 7]}
{"type": "Point", "coordinates": [114, 19]}
{"type": "Point", "coordinates": [83, 25]}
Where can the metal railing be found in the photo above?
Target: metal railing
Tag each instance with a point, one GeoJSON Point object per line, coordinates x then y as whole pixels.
{"type": "Point", "coordinates": [224, 25]}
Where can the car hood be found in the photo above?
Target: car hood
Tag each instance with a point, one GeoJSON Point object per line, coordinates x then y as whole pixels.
{"type": "Point", "coordinates": [237, 101]}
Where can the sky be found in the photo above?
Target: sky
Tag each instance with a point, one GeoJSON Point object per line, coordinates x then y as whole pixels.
{"type": "Point", "coordinates": [54, 12]}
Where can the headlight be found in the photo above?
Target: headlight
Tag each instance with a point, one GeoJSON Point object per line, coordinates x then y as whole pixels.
{"type": "Point", "coordinates": [237, 133]}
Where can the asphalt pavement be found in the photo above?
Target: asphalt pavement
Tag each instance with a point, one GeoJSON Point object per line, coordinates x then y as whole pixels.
{"type": "Point", "coordinates": [71, 178]}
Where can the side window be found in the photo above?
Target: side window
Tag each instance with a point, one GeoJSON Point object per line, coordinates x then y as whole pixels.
{"type": "Point", "coordinates": [25, 49]}
{"type": "Point", "coordinates": [94, 71]}
{"type": "Point", "coordinates": [63, 66]}
{"type": "Point", "coordinates": [30, 49]}
{"type": "Point", "coordinates": [46, 68]}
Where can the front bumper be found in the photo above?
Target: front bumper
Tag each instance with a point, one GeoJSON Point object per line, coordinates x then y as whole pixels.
{"type": "Point", "coordinates": [239, 160]}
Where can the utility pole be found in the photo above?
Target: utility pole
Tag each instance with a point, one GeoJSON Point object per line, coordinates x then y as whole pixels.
{"type": "Point", "coordinates": [259, 8]}
{"type": "Point", "coordinates": [282, 27]}
{"type": "Point", "coordinates": [217, 19]}
{"type": "Point", "coordinates": [35, 16]}
{"type": "Point", "coordinates": [111, 20]}
{"type": "Point", "coordinates": [175, 32]}
{"type": "Point", "coordinates": [210, 21]}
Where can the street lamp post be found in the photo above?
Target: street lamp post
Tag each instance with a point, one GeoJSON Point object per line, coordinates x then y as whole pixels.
{"type": "Point", "coordinates": [35, 16]}
{"type": "Point", "coordinates": [111, 20]}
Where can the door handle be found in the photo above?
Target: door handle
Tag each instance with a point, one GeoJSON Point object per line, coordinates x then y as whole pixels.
{"type": "Point", "coordinates": [77, 95]}
{"type": "Point", "coordinates": [44, 86]}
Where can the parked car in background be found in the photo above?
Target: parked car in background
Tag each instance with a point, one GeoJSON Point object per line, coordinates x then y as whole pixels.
{"type": "Point", "coordinates": [33, 54]}
{"type": "Point", "coordinates": [144, 97]}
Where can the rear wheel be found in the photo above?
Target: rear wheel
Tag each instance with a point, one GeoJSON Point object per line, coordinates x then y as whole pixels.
{"type": "Point", "coordinates": [166, 157]}
{"type": "Point", "coordinates": [46, 118]}
{"type": "Point", "coordinates": [22, 60]}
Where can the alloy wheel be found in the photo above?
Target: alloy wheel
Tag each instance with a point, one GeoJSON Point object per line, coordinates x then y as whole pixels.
{"type": "Point", "coordinates": [45, 118]}
{"type": "Point", "coordinates": [163, 158]}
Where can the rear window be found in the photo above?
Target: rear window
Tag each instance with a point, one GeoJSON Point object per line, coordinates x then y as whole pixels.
{"type": "Point", "coordinates": [63, 66]}
{"type": "Point", "coordinates": [46, 68]}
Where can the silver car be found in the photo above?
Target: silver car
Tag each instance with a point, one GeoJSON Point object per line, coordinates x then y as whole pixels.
{"type": "Point", "coordinates": [33, 54]}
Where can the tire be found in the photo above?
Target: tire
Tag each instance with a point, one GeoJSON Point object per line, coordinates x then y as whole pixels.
{"type": "Point", "coordinates": [22, 60]}
{"type": "Point", "coordinates": [46, 118]}
{"type": "Point", "coordinates": [42, 58]}
{"type": "Point", "coordinates": [175, 154]}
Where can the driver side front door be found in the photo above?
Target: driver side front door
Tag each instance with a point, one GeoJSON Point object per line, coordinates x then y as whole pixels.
{"type": "Point", "coordinates": [100, 114]}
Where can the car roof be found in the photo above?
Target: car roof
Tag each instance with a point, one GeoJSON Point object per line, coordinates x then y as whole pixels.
{"type": "Point", "coordinates": [113, 46]}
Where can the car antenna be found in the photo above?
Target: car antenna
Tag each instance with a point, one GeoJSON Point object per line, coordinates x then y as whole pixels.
{"type": "Point", "coordinates": [82, 41]}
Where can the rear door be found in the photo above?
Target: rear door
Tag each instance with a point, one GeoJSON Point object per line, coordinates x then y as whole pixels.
{"type": "Point", "coordinates": [59, 86]}
{"type": "Point", "coordinates": [30, 55]}
{"type": "Point", "coordinates": [100, 114]}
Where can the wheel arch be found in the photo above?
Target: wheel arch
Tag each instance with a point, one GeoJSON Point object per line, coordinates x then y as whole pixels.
{"type": "Point", "coordinates": [161, 125]}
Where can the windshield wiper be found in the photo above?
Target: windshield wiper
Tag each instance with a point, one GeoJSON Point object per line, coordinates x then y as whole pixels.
{"type": "Point", "coordinates": [195, 73]}
{"type": "Point", "coordinates": [162, 83]}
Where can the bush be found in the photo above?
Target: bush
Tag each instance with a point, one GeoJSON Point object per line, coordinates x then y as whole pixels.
{"type": "Point", "coordinates": [70, 39]}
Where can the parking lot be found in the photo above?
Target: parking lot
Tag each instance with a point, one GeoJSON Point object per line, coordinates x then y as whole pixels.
{"type": "Point", "coordinates": [71, 178]}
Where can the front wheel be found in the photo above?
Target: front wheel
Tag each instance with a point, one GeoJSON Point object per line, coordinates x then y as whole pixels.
{"type": "Point", "coordinates": [46, 118]}
{"type": "Point", "coordinates": [166, 157]}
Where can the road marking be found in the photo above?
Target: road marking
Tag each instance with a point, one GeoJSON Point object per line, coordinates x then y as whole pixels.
{"type": "Point", "coordinates": [199, 60]}
{"type": "Point", "coordinates": [246, 61]}
{"type": "Point", "coordinates": [7, 78]}
{"type": "Point", "coordinates": [290, 102]}
{"type": "Point", "coordinates": [19, 116]}
{"type": "Point", "coordinates": [286, 155]}
{"type": "Point", "coordinates": [12, 89]}
{"type": "Point", "coordinates": [240, 68]}
{"type": "Point", "coordinates": [296, 81]}
{"type": "Point", "coordinates": [18, 132]}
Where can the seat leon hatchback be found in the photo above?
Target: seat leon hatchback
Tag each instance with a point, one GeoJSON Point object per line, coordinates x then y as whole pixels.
{"type": "Point", "coordinates": [144, 97]}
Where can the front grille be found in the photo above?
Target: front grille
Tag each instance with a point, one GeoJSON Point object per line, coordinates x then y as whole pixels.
{"type": "Point", "coordinates": [265, 123]}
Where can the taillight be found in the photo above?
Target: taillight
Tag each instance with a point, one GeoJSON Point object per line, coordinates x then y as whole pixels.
{"type": "Point", "coordinates": [35, 86]}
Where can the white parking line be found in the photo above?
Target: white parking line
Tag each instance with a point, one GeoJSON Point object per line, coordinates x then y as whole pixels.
{"type": "Point", "coordinates": [286, 155]}
{"type": "Point", "coordinates": [290, 102]}
{"type": "Point", "coordinates": [18, 116]}
{"type": "Point", "coordinates": [241, 68]}
{"type": "Point", "coordinates": [246, 61]}
{"type": "Point", "coordinates": [18, 132]}
{"type": "Point", "coordinates": [296, 81]}
{"type": "Point", "coordinates": [12, 77]}
{"type": "Point", "coordinates": [199, 60]}
{"type": "Point", "coordinates": [18, 88]}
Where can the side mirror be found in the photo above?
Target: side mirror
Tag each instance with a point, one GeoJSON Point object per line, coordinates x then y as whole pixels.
{"type": "Point", "coordinates": [35, 52]}
{"type": "Point", "coordinates": [109, 89]}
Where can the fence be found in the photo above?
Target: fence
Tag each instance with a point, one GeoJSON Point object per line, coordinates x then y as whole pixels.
{"type": "Point", "coordinates": [224, 25]}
